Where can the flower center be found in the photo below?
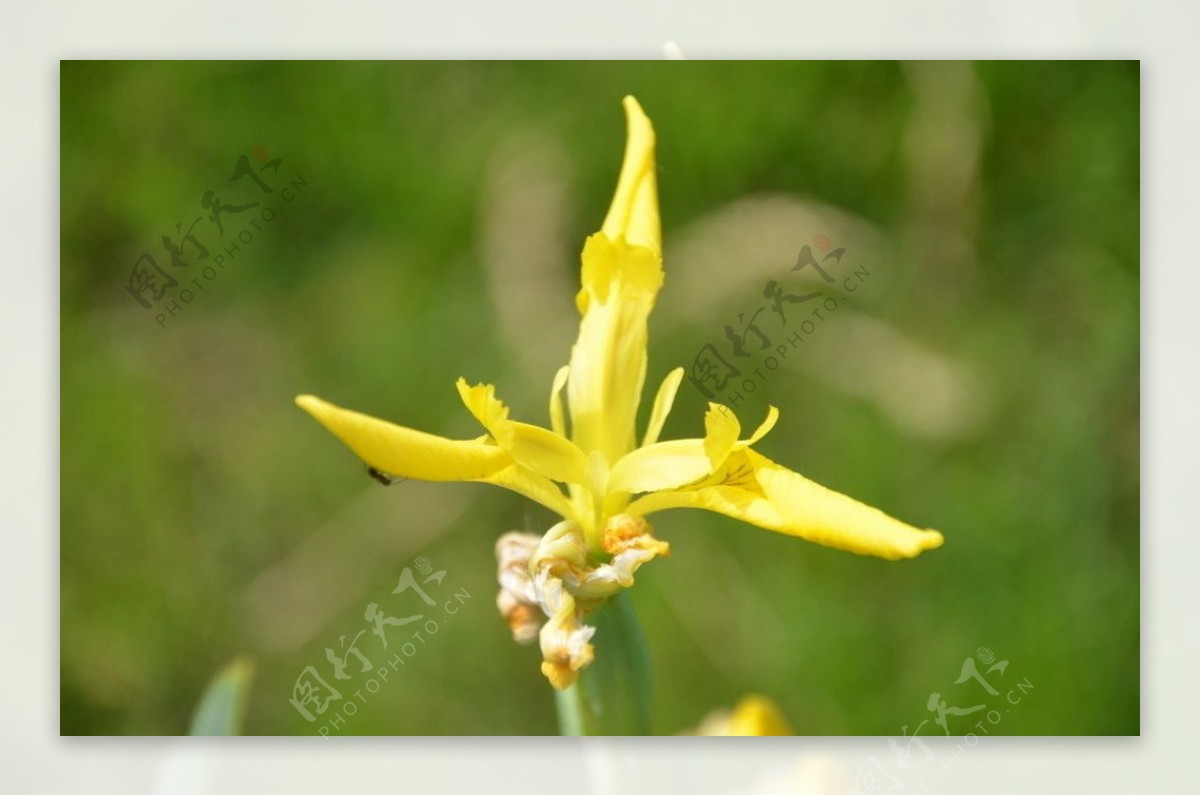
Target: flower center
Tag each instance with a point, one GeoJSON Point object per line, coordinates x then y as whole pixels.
{"type": "Point", "coordinates": [555, 577]}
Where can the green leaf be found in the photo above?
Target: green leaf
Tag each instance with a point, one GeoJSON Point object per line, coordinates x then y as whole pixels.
{"type": "Point", "coordinates": [223, 705]}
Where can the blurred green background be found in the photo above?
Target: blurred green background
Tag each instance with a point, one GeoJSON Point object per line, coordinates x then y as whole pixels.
{"type": "Point", "coordinates": [983, 380]}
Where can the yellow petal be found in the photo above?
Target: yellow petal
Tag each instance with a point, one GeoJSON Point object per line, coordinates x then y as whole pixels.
{"type": "Point", "coordinates": [481, 401]}
{"type": "Point", "coordinates": [830, 518]}
{"type": "Point", "coordinates": [621, 275]}
{"type": "Point", "coordinates": [535, 448]}
{"type": "Point", "coordinates": [536, 487]}
{"type": "Point", "coordinates": [634, 210]}
{"type": "Point", "coordinates": [663, 401]}
{"type": "Point", "coordinates": [663, 465]}
{"type": "Point", "coordinates": [763, 429]}
{"type": "Point", "coordinates": [404, 451]}
{"type": "Point", "coordinates": [597, 473]}
{"type": "Point", "coordinates": [754, 715]}
{"type": "Point", "coordinates": [721, 429]}
{"type": "Point", "coordinates": [608, 361]}
{"type": "Point", "coordinates": [544, 452]}
{"type": "Point", "coordinates": [557, 421]}
{"type": "Point", "coordinates": [752, 488]}
{"type": "Point", "coordinates": [408, 453]}
{"type": "Point", "coordinates": [676, 463]}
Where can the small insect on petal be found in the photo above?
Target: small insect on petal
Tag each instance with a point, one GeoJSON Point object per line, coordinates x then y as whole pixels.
{"type": "Point", "coordinates": [387, 479]}
{"type": "Point", "coordinates": [384, 478]}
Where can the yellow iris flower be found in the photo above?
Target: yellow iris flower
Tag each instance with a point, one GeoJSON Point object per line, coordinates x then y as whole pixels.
{"type": "Point", "coordinates": [594, 474]}
{"type": "Point", "coordinates": [753, 715]}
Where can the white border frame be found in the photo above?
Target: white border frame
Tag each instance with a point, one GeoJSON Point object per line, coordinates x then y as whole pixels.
{"type": "Point", "coordinates": [34, 758]}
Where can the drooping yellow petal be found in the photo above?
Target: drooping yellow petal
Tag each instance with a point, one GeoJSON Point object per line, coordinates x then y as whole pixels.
{"type": "Point", "coordinates": [633, 213]}
{"type": "Point", "coordinates": [536, 487]}
{"type": "Point", "coordinates": [754, 489]}
{"type": "Point", "coordinates": [533, 447]}
{"type": "Point", "coordinates": [663, 401]}
{"type": "Point", "coordinates": [404, 451]}
{"type": "Point", "coordinates": [408, 453]}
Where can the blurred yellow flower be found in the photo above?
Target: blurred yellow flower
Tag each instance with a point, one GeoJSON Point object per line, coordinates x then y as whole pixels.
{"type": "Point", "coordinates": [754, 715]}
{"type": "Point", "coordinates": [595, 474]}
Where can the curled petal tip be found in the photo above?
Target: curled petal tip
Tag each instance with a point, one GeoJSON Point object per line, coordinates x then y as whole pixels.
{"type": "Point", "coordinates": [633, 214]}
{"type": "Point", "coordinates": [561, 676]}
{"type": "Point", "coordinates": [637, 119]}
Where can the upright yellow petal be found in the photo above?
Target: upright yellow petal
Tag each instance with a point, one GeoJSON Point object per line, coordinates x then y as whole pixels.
{"type": "Point", "coordinates": [763, 429]}
{"type": "Point", "coordinates": [633, 213]}
{"type": "Point", "coordinates": [754, 489]}
{"type": "Point", "coordinates": [408, 453]}
{"type": "Point", "coordinates": [621, 276]}
{"type": "Point", "coordinates": [721, 429]}
{"type": "Point", "coordinates": [661, 410]}
{"type": "Point", "coordinates": [557, 419]}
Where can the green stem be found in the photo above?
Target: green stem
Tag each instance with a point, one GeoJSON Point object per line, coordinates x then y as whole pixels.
{"type": "Point", "coordinates": [612, 695]}
{"type": "Point", "coordinates": [573, 715]}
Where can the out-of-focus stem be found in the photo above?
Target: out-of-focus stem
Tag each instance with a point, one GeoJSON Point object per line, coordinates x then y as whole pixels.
{"type": "Point", "coordinates": [612, 695]}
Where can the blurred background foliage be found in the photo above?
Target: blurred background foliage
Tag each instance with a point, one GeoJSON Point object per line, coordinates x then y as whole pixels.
{"type": "Point", "coordinates": [983, 380]}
